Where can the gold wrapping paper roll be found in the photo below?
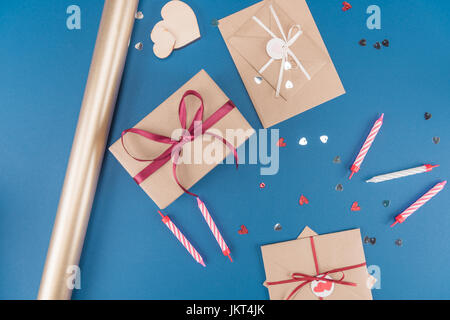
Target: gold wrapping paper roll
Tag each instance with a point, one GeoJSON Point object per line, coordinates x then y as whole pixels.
{"type": "Point", "coordinates": [88, 148]}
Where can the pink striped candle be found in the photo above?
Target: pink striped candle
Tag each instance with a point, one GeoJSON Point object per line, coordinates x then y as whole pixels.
{"type": "Point", "coordinates": [420, 202]}
{"type": "Point", "coordinates": [213, 227]}
{"type": "Point", "coordinates": [366, 146]}
{"type": "Point", "coordinates": [185, 242]}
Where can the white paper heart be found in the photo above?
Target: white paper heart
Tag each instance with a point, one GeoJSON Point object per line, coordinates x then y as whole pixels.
{"type": "Point", "coordinates": [180, 20]}
{"type": "Point", "coordinates": [163, 40]}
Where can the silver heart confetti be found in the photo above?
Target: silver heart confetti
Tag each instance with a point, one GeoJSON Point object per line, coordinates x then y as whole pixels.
{"type": "Point", "coordinates": [337, 159]}
{"type": "Point", "coordinates": [258, 80]}
{"type": "Point", "coordinates": [139, 46]}
{"type": "Point", "coordinates": [277, 227]}
{"type": "Point", "coordinates": [324, 139]}
{"type": "Point", "coordinates": [139, 15]}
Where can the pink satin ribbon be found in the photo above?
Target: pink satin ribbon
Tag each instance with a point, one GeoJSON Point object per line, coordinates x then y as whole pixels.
{"type": "Point", "coordinates": [187, 136]}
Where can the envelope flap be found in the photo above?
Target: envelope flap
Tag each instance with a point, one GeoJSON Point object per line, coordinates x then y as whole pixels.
{"type": "Point", "coordinates": [307, 232]}
{"type": "Point", "coordinates": [283, 18]}
{"type": "Point", "coordinates": [340, 249]}
{"type": "Point", "coordinates": [251, 41]}
{"type": "Point", "coordinates": [251, 29]}
{"type": "Point", "coordinates": [283, 258]}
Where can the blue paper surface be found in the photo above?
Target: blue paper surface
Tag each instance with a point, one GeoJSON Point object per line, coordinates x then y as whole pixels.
{"type": "Point", "coordinates": [129, 253]}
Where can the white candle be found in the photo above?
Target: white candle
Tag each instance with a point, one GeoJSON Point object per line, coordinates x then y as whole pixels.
{"type": "Point", "coordinates": [402, 173]}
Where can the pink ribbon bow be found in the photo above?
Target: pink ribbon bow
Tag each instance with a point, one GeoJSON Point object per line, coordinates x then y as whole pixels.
{"type": "Point", "coordinates": [197, 125]}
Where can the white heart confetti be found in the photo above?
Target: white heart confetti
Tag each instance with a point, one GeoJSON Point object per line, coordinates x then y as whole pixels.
{"type": "Point", "coordinates": [303, 141]}
{"type": "Point", "coordinates": [287, 65]}
{"type": "Point", "coordinates": [324, 139]}
{"type": "Point", "coordinates": [289, 84]}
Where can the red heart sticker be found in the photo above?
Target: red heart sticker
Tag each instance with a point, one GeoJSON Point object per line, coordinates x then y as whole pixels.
{"type": "Point", "coordinates": [243, 230]}
{"type": "Point", "coordinates": [322, 288]}
{"type": "Point", "coordinates": [303, 200]}
{"type": "Point", "coordinates": [281, 143]}
{"type": "Point", "coordinates": [355, 206]}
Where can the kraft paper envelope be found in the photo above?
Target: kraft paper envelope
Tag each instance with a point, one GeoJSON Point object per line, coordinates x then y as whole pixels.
{"type": "Point", "coordinates": [334, 250]}
{"type": "Point", "coordinates": [161, 186]}
{"type": "Point", "coordinates": [325, 83]}
{"type": "Point", "coordinates": [251, 41]}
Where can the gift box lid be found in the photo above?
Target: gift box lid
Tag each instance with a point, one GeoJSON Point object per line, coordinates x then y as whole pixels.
{"type": "Point", "coordinates": [161, 186]}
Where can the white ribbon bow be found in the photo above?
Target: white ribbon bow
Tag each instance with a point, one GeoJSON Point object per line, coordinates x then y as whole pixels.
{"type": "Point", "coordinates": [287, 42]}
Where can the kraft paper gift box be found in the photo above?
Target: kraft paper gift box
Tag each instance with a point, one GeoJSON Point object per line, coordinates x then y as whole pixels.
{"type": "Point", "coordinates": [290, 267]}
{"type": "Point", "coordinates": [249, 35]}
{"type": "Point", "coordinates": [161, 186]}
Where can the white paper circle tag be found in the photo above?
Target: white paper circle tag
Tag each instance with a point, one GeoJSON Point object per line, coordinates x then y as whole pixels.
{"type": "Point", "coordinates": [274, 48]}
{"type": "Point", "coordinates": [322, 288]}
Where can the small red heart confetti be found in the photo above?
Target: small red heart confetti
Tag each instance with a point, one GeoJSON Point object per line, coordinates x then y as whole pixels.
{"type": "Point", "coordinates": [281, 143]}
{"type": "Point", "coordinates": [303, 200]}
{"type": "Point", "coordinates": [355, 206]}
{"type": "Point", "coordinates": [262, 185]}
{"type": "Point", "coordinates": [243, 230]}
{"type": "Point", "coordinates": [346, 6]}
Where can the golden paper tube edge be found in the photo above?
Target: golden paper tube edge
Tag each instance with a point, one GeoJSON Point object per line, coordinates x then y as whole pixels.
{"type": "Point", "coordinates": [88, 148]}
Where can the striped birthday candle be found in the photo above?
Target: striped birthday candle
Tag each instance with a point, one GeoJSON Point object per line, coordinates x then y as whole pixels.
{"type": "Point", "coordinates": [402, 173]}
{"type": "Point", "coordinates": [180, 236]}
{"type": "Point", "coordinates": [223, 246]}
{"type": "Point", "coordinates": [366, 146]}
{"type": "Point", "coordinates": [420, 202]}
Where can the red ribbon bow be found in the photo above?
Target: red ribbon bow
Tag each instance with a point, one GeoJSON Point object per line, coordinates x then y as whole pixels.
{"type": "Point", "coordinates": [305, 278]}
{"type": "Point", "coordinates": [197, 127]}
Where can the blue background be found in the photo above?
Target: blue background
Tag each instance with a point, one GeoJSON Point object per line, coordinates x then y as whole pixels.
{"type": "Point", "coordinates": [128, 252]}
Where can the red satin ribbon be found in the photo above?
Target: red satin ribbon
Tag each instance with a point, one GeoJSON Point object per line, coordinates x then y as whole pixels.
{"type": "Point", "coordinates": [187, 136]}
{"type": "Point", "coordinates": [305, 278]}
